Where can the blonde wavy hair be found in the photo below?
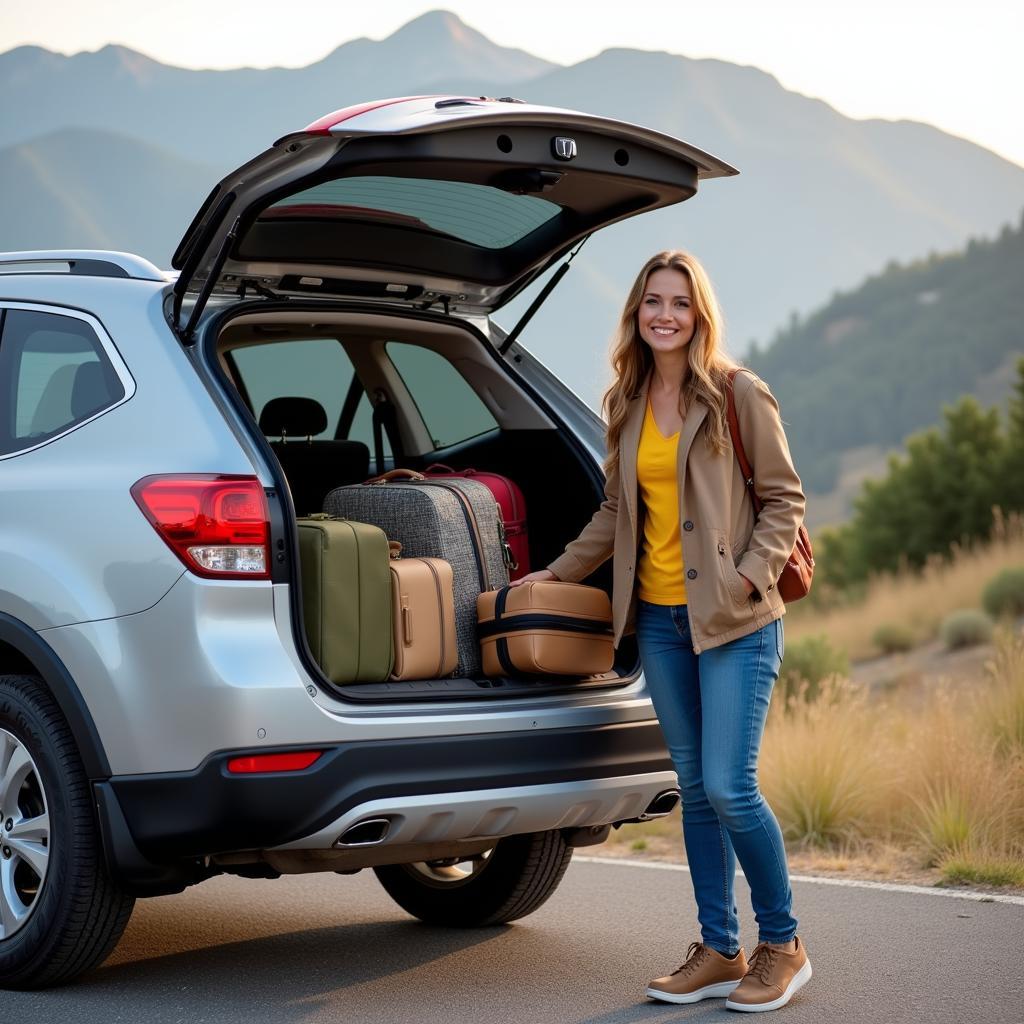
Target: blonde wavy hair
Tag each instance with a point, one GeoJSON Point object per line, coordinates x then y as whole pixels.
{"type": "Point", "coordinates": [632, 360]}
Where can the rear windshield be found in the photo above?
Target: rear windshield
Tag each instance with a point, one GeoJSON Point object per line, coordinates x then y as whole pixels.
{"type": "Point", "coordinates": [478, 214]}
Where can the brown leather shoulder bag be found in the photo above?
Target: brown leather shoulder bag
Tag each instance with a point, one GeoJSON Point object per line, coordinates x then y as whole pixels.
{"type": "Point", "coordinates": [795, 580]}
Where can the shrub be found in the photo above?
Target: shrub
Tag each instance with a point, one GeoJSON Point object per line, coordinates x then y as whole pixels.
{"type": "Point", "coordinates": [965, 628]}
{"type": "Point", "coordinates": [947, 822]}
{"type": "Point", "coordinates": [893, 638]}
{"type": "Point", "coordinates": [1000, 705]}
{"type": "Point", "coordinates": [1004, 594]}
{"type": "Point", "coordinates": [822, 770]}
{"type": "Point", "coordinates": [966, 867]}
{"type": "Point", "coordinates": [810, 661]}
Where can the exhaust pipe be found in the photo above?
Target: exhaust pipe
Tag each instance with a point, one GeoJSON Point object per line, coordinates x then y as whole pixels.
{"type": "Point", "coordinates": [369, 832]}
{"type": "Point", "coordinates": [664, 803]}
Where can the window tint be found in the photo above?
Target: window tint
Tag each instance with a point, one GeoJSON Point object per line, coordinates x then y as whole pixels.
{"type": "Point", "coordinates": [449, 406]}
{"type": "Point", "coordinates": [316, 368]}
{"type": "Point", "coordinates": [479, 214]}
{"type": "Point", "coordinates": [54, 374]}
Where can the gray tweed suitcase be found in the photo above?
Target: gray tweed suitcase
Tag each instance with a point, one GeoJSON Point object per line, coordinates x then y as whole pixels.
{"type": "Point", "coordinates": [457, 520]}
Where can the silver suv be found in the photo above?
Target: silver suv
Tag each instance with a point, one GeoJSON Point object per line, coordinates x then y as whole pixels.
{"type": "Point", "coordinates": [161, 717]}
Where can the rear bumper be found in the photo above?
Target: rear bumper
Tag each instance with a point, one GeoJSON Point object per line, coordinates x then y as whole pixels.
{"type": "Point", "coordinates": [503, 783]}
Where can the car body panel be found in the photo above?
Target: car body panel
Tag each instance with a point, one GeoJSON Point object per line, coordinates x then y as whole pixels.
{"type": "Point", "coordinates": [77, 485]}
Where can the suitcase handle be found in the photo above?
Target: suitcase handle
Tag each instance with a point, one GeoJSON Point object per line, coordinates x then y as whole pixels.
{"type": "Point", "coordinates": [406, 622]}
{"type": "Point", "coordinates": [396, 474]}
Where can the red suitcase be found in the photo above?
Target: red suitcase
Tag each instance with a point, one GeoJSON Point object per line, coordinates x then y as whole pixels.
{"type": "Point", "coordinates": [513, 510]}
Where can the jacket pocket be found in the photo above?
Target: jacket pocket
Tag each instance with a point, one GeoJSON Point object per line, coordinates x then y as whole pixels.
{"type": "Point", "coordinates": [727, 567]}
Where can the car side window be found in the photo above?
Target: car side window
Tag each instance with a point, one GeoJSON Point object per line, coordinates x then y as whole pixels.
{"type": "Point", "coordinates": [450, 408]}
{"type": "Point", "coordinates": [54, 374]}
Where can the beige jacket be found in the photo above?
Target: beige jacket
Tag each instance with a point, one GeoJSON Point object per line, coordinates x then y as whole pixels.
{"type": "Point", "coordinates": [719, 536]}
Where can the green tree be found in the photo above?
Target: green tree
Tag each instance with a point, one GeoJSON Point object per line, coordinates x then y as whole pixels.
{"type": "Point", "coordinates": [943, 491]}
{"type": "Point", "coordinates": [1012, 477]}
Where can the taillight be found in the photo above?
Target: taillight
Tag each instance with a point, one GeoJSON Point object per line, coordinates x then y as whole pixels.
{"type": "Point", "coordinates": [273, 762]}
{"type": "Point", "coordinates": [219, 526]}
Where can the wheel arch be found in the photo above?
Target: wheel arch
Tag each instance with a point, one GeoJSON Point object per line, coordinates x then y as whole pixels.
{"type": "Point", "coordinates": [24, 651]}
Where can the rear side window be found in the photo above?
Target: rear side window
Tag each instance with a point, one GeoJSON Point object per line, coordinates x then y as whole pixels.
{"type": "Point", "coordinates": [316, 368]}
{"type": "Point", "coordinates": [450, 408]}
{"type": "Point", "coordinates": [54, 374]}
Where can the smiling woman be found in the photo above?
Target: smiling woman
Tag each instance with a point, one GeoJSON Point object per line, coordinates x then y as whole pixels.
{"type": "Point", "coordinates": [706, 608]}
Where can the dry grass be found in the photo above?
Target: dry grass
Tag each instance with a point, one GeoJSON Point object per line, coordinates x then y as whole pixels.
{"type": "Point", "coordinates": [916, 600]}
{"type": "Point", "coordinates": [867, 785]}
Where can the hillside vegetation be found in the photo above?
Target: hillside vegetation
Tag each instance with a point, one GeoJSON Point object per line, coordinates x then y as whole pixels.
{"type": "Point", "coordinates": [880, 362]}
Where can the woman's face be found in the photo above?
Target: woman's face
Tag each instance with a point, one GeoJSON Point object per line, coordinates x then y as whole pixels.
{"type": "Point", "coordinates": [666, 317]}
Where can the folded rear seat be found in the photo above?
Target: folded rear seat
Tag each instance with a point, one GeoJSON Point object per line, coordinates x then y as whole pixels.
{"type": "Point", "coordinates": [312, 467]}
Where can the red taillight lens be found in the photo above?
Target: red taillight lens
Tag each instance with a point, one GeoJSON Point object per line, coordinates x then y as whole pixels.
{"type": "Point", "coordinates": [219, 526]}
{"type": "Point", "coordinates": [272, 762]}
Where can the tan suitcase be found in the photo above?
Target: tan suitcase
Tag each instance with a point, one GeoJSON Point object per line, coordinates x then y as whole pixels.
{"type": "Point", "coordinates": [545, 627]}
{"type": "Point", "coordinates": [423, 598]}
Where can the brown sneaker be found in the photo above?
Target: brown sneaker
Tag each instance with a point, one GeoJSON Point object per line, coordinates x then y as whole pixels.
{"type": "Point", "coordinates": [772, 978]}
{"type": "Point", "coordinates": [706, 974]}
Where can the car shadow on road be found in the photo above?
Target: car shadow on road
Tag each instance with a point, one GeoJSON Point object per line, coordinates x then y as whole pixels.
{"type": "Point", "coordinates": [290, 974]}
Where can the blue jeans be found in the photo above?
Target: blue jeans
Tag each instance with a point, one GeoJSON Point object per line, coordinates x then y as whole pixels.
{"type": "Point", "coordinates": [712, 709]}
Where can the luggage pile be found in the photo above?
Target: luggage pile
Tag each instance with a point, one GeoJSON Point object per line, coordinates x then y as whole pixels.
{"type": "Point", "coordinates": [406, 576]}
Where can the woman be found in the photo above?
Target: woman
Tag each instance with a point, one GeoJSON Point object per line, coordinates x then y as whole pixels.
{"type": "Point", "coordinates": [705, 609]}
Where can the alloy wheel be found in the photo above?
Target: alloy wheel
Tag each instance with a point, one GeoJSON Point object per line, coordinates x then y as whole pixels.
{"type": "Point", "coordinates": [24, 834]}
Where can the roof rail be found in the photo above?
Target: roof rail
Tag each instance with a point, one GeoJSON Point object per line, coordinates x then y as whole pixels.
{"type": "Point", "coordinates": [85, 262]}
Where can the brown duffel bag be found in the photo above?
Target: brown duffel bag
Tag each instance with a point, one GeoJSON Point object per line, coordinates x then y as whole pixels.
{"type": "Point", "coordinates": [545, 627]}
{"type": "Point", "coordinates": [424, 616]}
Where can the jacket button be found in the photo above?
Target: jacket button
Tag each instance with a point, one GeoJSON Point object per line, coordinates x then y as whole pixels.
{"type": "Point", "coordinates": [691, 574]}
{"type": "Point", "coordinates": [688, 525]}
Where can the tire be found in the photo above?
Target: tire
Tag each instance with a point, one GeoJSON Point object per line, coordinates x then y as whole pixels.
{"type": "Point", "coordinates": [508, 882]}
{"type": "Point", "coordinates": [60, 912]}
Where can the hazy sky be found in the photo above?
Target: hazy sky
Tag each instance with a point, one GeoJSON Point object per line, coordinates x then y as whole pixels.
{"type": "Point", "coordinates": [956, 65]}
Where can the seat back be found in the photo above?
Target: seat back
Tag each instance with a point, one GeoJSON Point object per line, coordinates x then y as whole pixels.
{"type": "Point", "coordinates": [312, 467]}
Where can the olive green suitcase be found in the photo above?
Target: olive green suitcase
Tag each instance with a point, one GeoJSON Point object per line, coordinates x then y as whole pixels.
{"type": "Point", "coordinates": [346, 598]}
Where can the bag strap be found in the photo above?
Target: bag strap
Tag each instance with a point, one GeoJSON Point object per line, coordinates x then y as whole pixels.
{"type": "Point", "coordinates": [737, 442]}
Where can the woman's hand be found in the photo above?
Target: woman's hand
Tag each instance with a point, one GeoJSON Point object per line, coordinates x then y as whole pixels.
{"type": "Point", "coordinates": [540, 576]}
{"type": "Point", "coordinates": [750, 588]}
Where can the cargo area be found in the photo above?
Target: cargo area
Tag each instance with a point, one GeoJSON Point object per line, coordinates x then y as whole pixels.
{"type": "Point", "coordinates": [335, 396]}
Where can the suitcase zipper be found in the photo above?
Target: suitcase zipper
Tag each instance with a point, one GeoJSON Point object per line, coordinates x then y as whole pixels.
{"type": "Point", "coordinates": [506, 549]}
{"type": "Point", "coordinates": [474, 529]}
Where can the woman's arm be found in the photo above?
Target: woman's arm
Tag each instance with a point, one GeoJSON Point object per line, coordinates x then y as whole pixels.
{"type": "Point", "coordinates": [596, 542]}
{"type": "Point", "coordinates": [777, 485]}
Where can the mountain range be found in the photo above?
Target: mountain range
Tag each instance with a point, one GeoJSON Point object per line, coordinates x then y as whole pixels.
{"type": "Point", "coordinates": [115, 150]}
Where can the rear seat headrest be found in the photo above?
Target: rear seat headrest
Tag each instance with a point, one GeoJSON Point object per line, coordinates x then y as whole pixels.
{"type": "Point", "coordinates": [293, 417]}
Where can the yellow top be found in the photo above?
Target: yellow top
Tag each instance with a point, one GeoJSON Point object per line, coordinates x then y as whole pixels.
{"type": "Point", "coordinates": [660, 568]}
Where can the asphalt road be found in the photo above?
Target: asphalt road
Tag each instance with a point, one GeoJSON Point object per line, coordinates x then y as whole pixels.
{"type": "Point", "coordinates": [320, 948]}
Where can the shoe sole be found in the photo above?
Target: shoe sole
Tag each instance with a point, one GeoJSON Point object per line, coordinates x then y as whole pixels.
{"type": "Point", "coordinates": [716, 991]}
{"type": "Point", "coordinates": [799, 980]}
